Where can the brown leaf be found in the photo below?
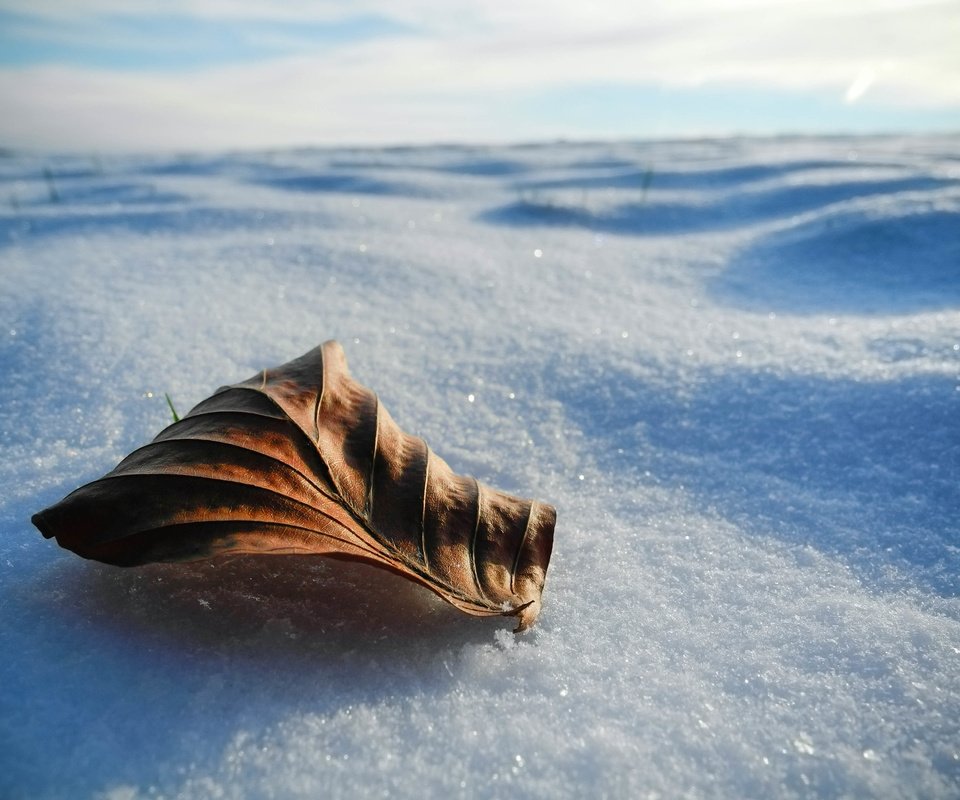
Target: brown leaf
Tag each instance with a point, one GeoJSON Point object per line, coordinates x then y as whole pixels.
{"type": "Point", "coordinates": [303, 459]}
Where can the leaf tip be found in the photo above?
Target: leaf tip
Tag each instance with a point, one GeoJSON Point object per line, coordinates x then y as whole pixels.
{"type": "Point", "coordinates": [526, 615]}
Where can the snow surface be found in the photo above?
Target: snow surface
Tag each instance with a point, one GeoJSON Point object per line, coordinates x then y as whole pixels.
{"type": "Point", "coordinates": [732, 365]}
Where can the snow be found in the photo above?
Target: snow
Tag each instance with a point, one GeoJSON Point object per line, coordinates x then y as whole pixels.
{"type": "Point", "coordinates": [732, 365]}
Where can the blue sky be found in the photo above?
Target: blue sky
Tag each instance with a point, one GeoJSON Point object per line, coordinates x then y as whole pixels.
{"type": "Point", "coordinates": [169, 42]}
{"type": "Point", "coordinates": [152, 75]}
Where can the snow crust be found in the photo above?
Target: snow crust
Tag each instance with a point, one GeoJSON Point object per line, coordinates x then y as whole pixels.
{"type": "Point", "coordinates": [733, 366]}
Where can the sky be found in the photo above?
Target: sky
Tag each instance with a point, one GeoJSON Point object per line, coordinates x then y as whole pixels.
{"type": "Point", "coordinates": [146, 75]}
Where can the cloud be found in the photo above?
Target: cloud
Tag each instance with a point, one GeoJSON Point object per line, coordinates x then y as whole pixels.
{"type": "Point", "coordinates": [441, 71]}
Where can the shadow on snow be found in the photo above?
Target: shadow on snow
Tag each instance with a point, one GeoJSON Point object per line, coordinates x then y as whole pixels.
{"type": "Point", "coordinates": [867, 471]}
{"type": "Point", "coordinates": [182, 657]}
{"type": "Point", "coordinates": [637, 176]}
{"type": "Point", "coordinates": [850, 263]}
{"type": "Point", "coordinates": [186, 219]}
{"type": "Point", "coordinates": [339, 182]}
{"type": "Point", "coordinates": [707, 212]}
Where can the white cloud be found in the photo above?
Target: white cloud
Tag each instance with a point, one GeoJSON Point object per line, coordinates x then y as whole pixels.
{"type": "Point", "coordinates": [448, 79]}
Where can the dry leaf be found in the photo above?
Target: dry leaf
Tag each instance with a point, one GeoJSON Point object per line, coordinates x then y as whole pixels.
{"type": "Point", "coordinates": [303, 459]}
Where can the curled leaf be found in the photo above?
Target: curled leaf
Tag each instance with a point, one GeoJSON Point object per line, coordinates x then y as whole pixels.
{"type": "Point", "coordinates": [303, 459]}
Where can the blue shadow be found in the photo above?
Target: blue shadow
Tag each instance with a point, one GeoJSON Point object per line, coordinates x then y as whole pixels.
{"type": "Point", "coordinates": [850, 263]}
{"type": "Point", "coordinates": [74, 193]}
{"type": "Point", "coordinates": [867, 471]}
{"type": "Point", "coordinates": [27, 225]}
{"type": "Point", "coordinates": [135, 672]}
{"type": "Point", "coordinates": [340, 182]}
{"type": "Point", "coordinates": [709, 212]}
{"type": "Point", "coordinates": [484, 167]}
{"type": "Point", "coordinates": [635, 176]}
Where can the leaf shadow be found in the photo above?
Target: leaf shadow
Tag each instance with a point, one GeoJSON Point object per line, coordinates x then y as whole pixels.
{"type": "Point", "coordinates": [167, 663]}
{"type": "Point", "coordinates": [270, 609]}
